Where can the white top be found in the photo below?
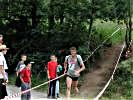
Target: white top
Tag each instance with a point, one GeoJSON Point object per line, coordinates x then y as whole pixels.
{"type": "Point", "coordinates": [21, 67]}
{"type": "Point", "coordinates": [3, 63]}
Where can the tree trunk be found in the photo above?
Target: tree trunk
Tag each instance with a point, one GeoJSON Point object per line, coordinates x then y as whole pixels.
{"type": "Point", "coordinates": [51, 19]}
{"type": "Point", "coordinates": [126, 36]}
{"type": "Point", "coordinates": [33, 14]}
{"type": "Point", "coordinates": [130, 20]}
{"type": "Point", "coordinates": [61, 14]}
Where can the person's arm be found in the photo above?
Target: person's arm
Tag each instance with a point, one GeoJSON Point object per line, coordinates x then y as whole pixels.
{"type": "Point", "coordinates": [65, 65]}
{"type": "Point", "coordinates": [2, 71]}
{"type": "Point", "coordinates": [17, 68]}
{"type": "Point", "coordinates": [82, 66]}
{"type": "Point", "coordinates": [30, 82]}
{"type": "Point", "coordinates": [48, 71]}
{"type": "Point", "coordinates": [21, 77]}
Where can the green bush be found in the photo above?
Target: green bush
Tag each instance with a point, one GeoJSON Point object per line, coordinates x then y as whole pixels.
{"type": "Point", "coordinates": [121, 88]}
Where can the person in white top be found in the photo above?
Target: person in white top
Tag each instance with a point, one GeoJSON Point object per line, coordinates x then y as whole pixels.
{"type": "Point", "coordinates": [3, 67]}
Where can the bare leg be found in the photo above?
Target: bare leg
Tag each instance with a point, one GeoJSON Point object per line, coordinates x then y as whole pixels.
{"type": "Point", "coordinates": [69, 83]}
{"type": "Point", "coordinates": [75, 84]}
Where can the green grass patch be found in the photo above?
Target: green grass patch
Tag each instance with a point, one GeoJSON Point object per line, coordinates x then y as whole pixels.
{"type": "Point", "coordinates": [121, 88]}
{"type": "Point", "coordinates": [107, 28]}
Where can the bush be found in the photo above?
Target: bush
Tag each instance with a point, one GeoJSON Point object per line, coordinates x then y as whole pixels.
{"type": "Point", "coordinates": [122, 85]}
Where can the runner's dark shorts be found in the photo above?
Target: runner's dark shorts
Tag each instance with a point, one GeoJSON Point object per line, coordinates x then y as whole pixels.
{"type": "Point", "coordinates": [73, 78]}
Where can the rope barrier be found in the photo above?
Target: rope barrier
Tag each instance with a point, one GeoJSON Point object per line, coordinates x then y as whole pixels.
{"type": "Point", "coordinates": [107, 84]}
{"type": "Point", "coordinates": [102, 43]}
{"type": "Point", "coordinates": [22, 92]}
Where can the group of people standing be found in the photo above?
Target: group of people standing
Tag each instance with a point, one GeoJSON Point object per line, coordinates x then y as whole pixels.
{"type": "Point", "coordinates": [73, 66]}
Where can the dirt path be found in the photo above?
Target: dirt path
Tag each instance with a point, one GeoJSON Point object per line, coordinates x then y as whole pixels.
{"type": "Point", "coordinates": [96, 79]}
{"type": "Point", "coordinates": [35, 95]}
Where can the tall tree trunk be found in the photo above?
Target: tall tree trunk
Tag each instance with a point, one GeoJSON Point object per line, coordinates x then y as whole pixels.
{"type": "Point", "coordinates": [130, 19]}
{"type": "Point", "coordinates": [51, 19]}
{"type": "Point", "coordinates": [127, 35]}
{"type": "Point", "coordinates": [33, 14]}
{"type": "Point", "coordinates": [92, 17]}
{"type": "Point", "coordinates": [61, 14]}
{"type": "Point", "coordinates": [90, 26]}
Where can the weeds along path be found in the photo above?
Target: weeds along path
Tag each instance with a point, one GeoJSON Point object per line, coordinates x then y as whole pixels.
{"type": "Point", "coordinates": [95, 80]}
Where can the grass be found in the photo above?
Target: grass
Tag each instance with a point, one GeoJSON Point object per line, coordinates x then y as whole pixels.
{"type": "Point", "coordinates": [121, 88]}
{"type": "Point", "coordinates": [107, 28]}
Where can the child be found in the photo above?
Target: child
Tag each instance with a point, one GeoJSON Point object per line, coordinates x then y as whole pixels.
{"type": "Point", "coordinates": [21, 64]}
{"type": "Point", "coordinates": [59, 72]}
{"type": "Point", "coordinates": [25, 76]}
{"type": "Point", "coordinates": [51, 72]}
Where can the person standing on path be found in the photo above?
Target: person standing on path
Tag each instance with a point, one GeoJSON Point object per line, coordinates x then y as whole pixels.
{"type": "Point", "coordinates": [25, 76]}
{"type": "Point", "coordinates": [59, 72]}
{"type": "Point", "coordinates": [21, 65]}
{"type": "Point", "coordinates": [73, 65]}
{"type": "Point", "coordinates": [51, 72]}
{"type": "Point", "coordinates": [3, 76]}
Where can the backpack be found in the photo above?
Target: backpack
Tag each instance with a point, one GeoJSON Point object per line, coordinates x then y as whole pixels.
{"type": "Point", "coordinates": [60, 70]}
{"type": "Point", "coordinates": [18, 81]}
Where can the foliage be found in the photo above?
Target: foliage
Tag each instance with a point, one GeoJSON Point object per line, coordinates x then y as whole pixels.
{"type": "Point", "coordinates": [41, 27]}
{"type": "Point", "coordinates": [122, 85]}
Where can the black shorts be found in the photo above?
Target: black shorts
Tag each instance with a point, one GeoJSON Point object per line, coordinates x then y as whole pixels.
{"type": "Point", "coordinates": [3, 91]}
{"type": "Point", "coordinates": [73, 78]}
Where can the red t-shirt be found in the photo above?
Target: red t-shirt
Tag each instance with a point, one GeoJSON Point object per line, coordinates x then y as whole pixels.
{"type": "Point", "coordinates": [52, 66]}
{"type": "Point", "coordinates": [26, 75]}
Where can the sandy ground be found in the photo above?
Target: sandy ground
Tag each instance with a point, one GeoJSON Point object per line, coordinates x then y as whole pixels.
{"type": "Point", "coordinates": [35, 95]}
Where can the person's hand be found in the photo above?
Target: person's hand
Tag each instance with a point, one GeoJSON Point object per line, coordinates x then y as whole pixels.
{"type": "Point", "coordinates": [30, 84]}
{"type": "Point", "coordinates": [77, 73]}
{"type": "Point", "coordinates": [5, 82]}
{"type": "Point", "coordinates": [65, 71]}
{"type": "Point", "coordinates": [48, 77]}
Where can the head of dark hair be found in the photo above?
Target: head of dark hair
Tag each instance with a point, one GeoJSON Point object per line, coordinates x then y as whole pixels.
{"type": "Point", "coordinates": [23, 55]}
{"type": "Point", "coordinates": [52, 55]}
{"type": "Point", "coordinates": [1, 35]}
{"type": "Point", "coordinates": [27, 62]}
{"type": "Point", "coordinates": [73, 48]}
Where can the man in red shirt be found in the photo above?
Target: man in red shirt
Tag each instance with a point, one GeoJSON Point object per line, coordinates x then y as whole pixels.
{"type": "Point", "coordinates": [25, 76]}
{"type": "Point", "coordinates": [51, 71]}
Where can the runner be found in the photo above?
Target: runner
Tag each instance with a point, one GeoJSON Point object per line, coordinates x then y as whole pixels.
{"type": "Point", "coordinates": [73, 65]}
{"type": "Point", "coordinates": [51, 72]}
{"type": "Point", "coordinates": [25, 76]}
{"type": "Point", "coordinates": [3, 76]}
